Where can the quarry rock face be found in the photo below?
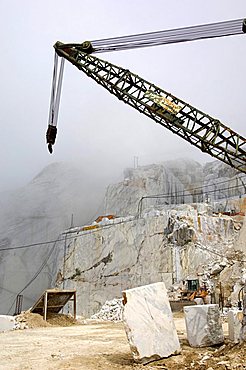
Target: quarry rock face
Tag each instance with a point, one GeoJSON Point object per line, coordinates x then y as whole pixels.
{"type": "Point", "coordinates": [148, 241]}
{"type": "Point", "coordinates": [149, 323]}
{"type": "Point", "coordinates": [122, 198]}
{"type": "Point", "coordinates": [123, 253]}
{"type": "Point", "coordinates": [179, 181]}
{"type": "Point", "coordinates": [224, 181]}
{"type": "Point", "coordinates": [203, 325]}
{"type": "Point", "coordinates": [241, 242]}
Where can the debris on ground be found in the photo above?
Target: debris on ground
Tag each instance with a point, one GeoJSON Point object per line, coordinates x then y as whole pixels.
{"type": "Point", "coordinates": [110, 311]}
{"type": "Point", "coordinates": [104, 346]}
{"type": "Point", "coordinates": [29, 320]}
{"type": "Point", "coordinates": [226, 357]}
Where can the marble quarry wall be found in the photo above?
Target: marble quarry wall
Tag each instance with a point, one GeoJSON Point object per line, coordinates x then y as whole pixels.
{"type": "Point", "coordinates": [123, 253]}
{"type": "Point", "coordinates": [163, 242]}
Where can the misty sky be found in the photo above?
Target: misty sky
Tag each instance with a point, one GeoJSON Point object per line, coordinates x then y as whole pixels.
{"type": "Point", "coordinates": [93, 125]}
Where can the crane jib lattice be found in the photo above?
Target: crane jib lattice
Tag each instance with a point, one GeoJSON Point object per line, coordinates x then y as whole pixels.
{"type": "Point", "coordinates": [198, 128]}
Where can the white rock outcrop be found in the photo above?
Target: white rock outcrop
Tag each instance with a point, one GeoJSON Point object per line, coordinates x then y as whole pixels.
{"type": "Point", "coordinates": [128, 252]}
{"type": "Point", "coordinates": [149, 323]}
{"type": "Point", "coordinates": [179, 181]}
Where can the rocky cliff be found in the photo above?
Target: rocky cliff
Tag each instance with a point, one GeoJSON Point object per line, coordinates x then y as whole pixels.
{"type": "Point", "coordinates": [137, 250]}
{"type": "Point", "coordinates": [163, 245]}
{"type": "Point", "coordinates": [174, 182]}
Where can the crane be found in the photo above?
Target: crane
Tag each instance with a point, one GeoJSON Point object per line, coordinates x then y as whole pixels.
{"type": "Point", "coordinates": [198, 128]}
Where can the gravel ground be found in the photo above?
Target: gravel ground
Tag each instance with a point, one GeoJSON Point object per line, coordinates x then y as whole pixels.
{"type": "Point", "coordinates": [104, 346]}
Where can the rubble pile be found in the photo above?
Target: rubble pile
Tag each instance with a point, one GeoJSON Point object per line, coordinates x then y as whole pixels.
{"type": "Point", "coordinates": [229, 274]}
{"type": "Point", "coordinates": [110, 311]}
{"type": "Point", "coordinates": [175, 292]}
{"type": "Point", "coordinates": [29, 320]}
{"type": "Point", "coordinates": [20, 323]}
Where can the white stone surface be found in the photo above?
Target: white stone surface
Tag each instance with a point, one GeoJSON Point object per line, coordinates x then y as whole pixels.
{"type": "Point", "coordinates": [7, 323]}
{"type": "Point", "coordinates": [137, 252]}
{"type": "Point", "coordinates": [203, 325]}
{"type": "Point", "coordinates": [172, 178]}
{"type": "Point", "coordinates": [149, 323]}
{"type": "Point", "coordinates": [235, 318]}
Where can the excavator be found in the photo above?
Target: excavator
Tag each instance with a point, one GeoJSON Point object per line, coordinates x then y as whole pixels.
{"type": "Point", "coordinates": [198, 128]}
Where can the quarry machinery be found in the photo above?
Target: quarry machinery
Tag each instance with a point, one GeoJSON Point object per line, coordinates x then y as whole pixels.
{"type": "Point", "coordinates": [198, 128]}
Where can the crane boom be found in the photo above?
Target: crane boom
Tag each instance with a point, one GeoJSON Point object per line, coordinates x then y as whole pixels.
{"type": "Point", "coordinates": [198, 128]}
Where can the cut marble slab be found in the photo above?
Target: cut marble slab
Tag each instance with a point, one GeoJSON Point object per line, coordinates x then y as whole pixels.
{"type": "Point", "coordinates": [149, 324]}
{"type": "Point", "coordinates": [235, 318]}
{"type": "Point", "coordinates": [243, 330]}
{"type": "Point", "coordinates": [203, 325]}
{"type": "Point", "coordinates": [7, 323]}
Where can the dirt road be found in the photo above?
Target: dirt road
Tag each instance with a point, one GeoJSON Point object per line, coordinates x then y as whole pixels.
{"type": "Point", "coordinates": [103, 346]}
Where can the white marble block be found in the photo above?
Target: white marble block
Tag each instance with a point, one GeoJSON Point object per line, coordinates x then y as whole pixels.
{"type": "Point", "coordinates": [203, 325]}
{"type": "Point", "coordinates": [243, 330]}
{"type": "Point", "coordinates": [235, 318]}
{"type": "Point", "coordinates": [149, 323]}
{"type": "Point", "coordinates": [7, 323]}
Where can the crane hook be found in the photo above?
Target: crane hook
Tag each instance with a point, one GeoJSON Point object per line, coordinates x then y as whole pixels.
{"type": "Point", "coordinates": [51, 137]}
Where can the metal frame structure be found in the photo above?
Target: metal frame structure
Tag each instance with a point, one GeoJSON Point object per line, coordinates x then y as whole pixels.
{"type": "Point", "coordinates": [53, 300]}
{"type": "Point", "coordinates": [18, 304]}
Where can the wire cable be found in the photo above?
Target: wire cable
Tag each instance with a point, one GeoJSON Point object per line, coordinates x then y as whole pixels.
{"type": "Point", "coordinates": [205, 186]}
{"type": "Point", "coordinates": [85, 233]}
{"type": "Point", "coordinates": [112, 224]}
{"type": "Point", "coordinates": [190, 194]}
{"type": "Point", "coordinates": [32, 245]}
{"type": "Point", "coordinates": [35, 275]}
{"type": "Point", "coordinates": [191, 191]}
{"type": "Point", "coordinates": [218, 254]}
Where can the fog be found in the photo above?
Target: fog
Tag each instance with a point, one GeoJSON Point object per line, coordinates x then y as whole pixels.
{"type": "Point", "coordinates": [93, 126]}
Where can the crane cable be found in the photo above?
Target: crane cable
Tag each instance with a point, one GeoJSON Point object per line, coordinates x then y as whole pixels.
{"type": "Point", "coordinates": [54, 102]}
